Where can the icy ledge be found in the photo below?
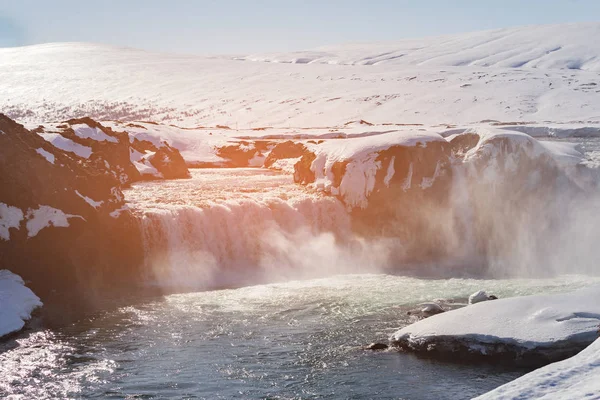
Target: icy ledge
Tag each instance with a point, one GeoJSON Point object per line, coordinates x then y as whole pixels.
{"type": "Point", "coordinates": [575, 378]}
{"type": "Point", "coordinates": [531, 330]}
{"type": "Point", "coordinates": [17, 302]}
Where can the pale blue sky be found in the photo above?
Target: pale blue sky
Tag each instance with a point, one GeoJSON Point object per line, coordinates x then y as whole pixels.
{"type": "Point", "coordinates": [245, 26]}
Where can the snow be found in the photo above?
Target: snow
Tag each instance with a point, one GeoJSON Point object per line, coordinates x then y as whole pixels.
{"type": "Point", "coordinates": [285, 164]}
{"type": "Point", "coordinates": [86, 132]}
{"type": "Point", "coordinates": [478, 297]}
{"type": "Point", "coordinates": [90, 201]}
{"type": "Point", "coordinates": [528, 322]}
{"type": "Point", "coordinates": [195, 145]}
{"type": "Point", "coordinates": [574, 378]}
{"type": "Point", "coordinates": [67, 144]}
{"type": "Point", "coordinates": [523, 47]}
{"type": "Point", "coordinates": [565, 154]}
{"type": "Point", "coordinates": [44, 217]}
{"type": "Point", "coordinates": [17, 302]}
{"type": "Point", "coordinates": [142, 163]}
{"type": "Point", "coordinates": [361, 153]}
{"type": "Point", "coordinates": [10, 217]}
{"type": "Point", "coordinates": [47, 155]}
{"type": "Point", "coordinates": [534, 73]}
{"type": "Point", "coordinates": [117, 213]}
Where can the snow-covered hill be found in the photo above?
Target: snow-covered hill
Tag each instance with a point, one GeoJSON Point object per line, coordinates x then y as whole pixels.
{"type": "Point", "coordinates": [566, 46]}
{"type": "Point", "coordinates": [532, 74]}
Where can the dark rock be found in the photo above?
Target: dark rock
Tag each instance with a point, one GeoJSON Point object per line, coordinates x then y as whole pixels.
{"type": "Point", "coordinates": [100, 247]}
{"type": "Point", "coordinates": [240, 154]}
{"type": "Point", "coordinates": [377, 346]}
{"type": "Point", "coordinates": [169, 163]}
{"type": "Point", "coordinates": [284, 150]}
{"type": "Point", "coordinates": [466, 351]}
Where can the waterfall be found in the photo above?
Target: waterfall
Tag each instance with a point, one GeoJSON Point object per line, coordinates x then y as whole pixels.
{"type": "Point", "coordinates": [244, 242]}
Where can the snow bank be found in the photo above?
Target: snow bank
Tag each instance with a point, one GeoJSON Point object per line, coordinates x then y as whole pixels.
{"type": "Point", "coordinates": [575, 378]}
{"type": "Point", "coordinates": [545, 324]}
{"type": "Point", "coordinates": [10, 217]}
{"type": "Point", "coordinates": [86, 132]}
{"type": "Point", "coordinates": [66, 144]}
{"type": "Point", "coordinates": [17, 302]}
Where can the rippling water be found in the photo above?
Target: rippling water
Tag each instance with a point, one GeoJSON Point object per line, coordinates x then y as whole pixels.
{"type": "Point", "coordinates": [298, 339]}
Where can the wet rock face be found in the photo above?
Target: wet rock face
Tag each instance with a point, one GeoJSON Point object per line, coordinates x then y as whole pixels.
{"type": "Point", "coordinates": [67, 229]}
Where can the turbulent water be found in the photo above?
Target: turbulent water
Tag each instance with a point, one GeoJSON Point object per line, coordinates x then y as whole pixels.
{"type": "Point", "coordinates": [229, 227]}
{"type": "Point", "coordinates": [299, 339]}
{"type": "Point", "coordinates": [319, 295]}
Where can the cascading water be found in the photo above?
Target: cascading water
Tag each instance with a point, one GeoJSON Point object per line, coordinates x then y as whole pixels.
{"type": "Point", "coordinates": [228, 228]}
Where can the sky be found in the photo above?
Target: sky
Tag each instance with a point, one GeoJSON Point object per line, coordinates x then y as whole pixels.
{"type": "Point", "coordinates": [250, 26]}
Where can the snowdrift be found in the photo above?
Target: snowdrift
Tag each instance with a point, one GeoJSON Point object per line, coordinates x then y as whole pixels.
{"type": "Point", "coordinates": [17, 303]}
{"type": "Point", "coordinates": [528, 330]}
{"type": "Point", "coordinates": [575, 378]}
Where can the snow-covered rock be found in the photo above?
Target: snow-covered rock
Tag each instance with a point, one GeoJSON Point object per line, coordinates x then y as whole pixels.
{"type": "Point", "coordinates": [127, 159]}
{"type": "Point", "coordinates": [478, 297]}
{"type": "Point", "coordinates": [17, 302]}
{"type": "Point", "coordinates": [57, 228]}
{"type": "Point", "coordinates": [574, 378]}
{"type": "Point", "coordinates": [528, 330]}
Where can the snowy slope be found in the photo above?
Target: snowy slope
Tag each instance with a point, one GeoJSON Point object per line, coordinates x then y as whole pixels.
{"type": "Point", "coordinates": [574, 378]}
{"type": "Point", "coordinates": [458, 79]}
{"type": "Point", "coordinates": [566, 46]}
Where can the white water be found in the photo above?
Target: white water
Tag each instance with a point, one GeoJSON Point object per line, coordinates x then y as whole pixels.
{"type": "Point", "coordinates": [230, 227]}
{"type": "Point", "coordinates": [234, 227]}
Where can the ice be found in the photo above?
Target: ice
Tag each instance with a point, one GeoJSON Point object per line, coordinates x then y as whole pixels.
{"type": "Point", "coordinates": [17, 302]}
